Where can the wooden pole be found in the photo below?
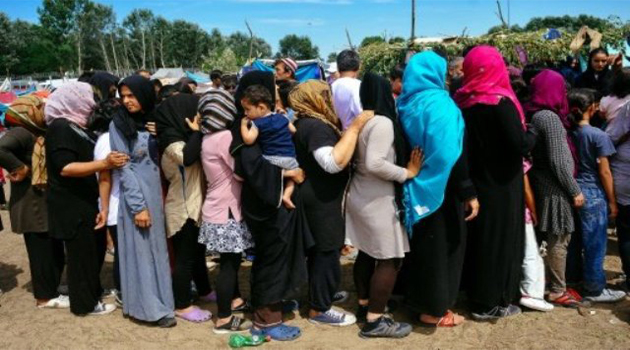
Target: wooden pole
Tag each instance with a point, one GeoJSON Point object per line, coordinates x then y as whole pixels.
{"type": "Point", "coordinates": [413, 19]}
{"type": "Point", "coordinates": [251, 41]}
{"type": "Point", "coordinates": [349, 41]}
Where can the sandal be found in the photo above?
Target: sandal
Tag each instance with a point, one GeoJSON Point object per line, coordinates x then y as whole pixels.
{"type": "Point", "coordinates": [280, 332]}
{"type": "Point", "coordinates": [566, 300]}
{"type": "Point", "coordinates": [448, 321]}
{"type": "Point", "coordinates": [243, 307]}
{"type": "Point", "coordinates": [195, 315]}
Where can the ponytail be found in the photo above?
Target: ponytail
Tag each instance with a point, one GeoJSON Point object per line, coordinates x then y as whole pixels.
{"type": "Point", "coordinates": [579, 101]}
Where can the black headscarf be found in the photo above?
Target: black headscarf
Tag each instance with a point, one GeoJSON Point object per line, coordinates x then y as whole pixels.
{"type": "Point", "coordinates": [376, 95]}
{"type": "Point", "coordinates": [103, 81]}
{"type": "Point", "coordinates": [591, 79]}
{"type": "Point", "coordinates": [129, 124]}
{"type": "Point", "coordinates": [256, 77]}
{"type": "Point", "coordinates": [170, 119]}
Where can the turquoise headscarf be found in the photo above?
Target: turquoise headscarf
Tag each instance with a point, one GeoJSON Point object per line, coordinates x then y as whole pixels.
{"type": "Point", "coordinates": [431, 121]}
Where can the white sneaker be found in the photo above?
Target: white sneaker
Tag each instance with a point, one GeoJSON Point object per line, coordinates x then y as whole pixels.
{"type": "Point", "coordinates": [607, 296]}
{"type": "Point", "coordinates": [536, 304]}
{"type": "Point", "coordinates": [102, 309]}
{"type": "Point", "coordinates": [60, 302]}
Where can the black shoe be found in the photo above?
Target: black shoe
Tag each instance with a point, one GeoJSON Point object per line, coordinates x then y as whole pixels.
{"type": "Point", "coordinates": [385, 327]}
{"type": "Point", "coordinates": [244, 307]}
{"type": "Point", "coordinates": [340, 297]}
{"type": "Point", "coordinates": [235, 325]}
{"type": "Point", "coordinates": [167, 322]}
{"type": "Point", "coordinates": [361, 314]}
{"type": "Point", "coordinates": [497, 312]}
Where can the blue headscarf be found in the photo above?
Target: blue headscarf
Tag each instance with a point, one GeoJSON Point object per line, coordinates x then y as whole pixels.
{"type": "Point", "coordinates": [431, 121]}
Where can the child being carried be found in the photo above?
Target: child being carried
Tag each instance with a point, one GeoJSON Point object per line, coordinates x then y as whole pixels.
{"type": "Point", "coordinates": [273, 131]}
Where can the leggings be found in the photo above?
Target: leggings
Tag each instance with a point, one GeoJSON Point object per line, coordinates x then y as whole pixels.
{"type": "Point", "coordinates": [190, 265]}
{"type": "Point", "coordinates": [375, 280]}
{"type": "Point", "coordinates": [227, 283]}
{"type": "Point", "coordinates": [46, 258]}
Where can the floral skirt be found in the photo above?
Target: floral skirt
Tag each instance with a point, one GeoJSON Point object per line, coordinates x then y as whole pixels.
{"type": "Point", "coordinates": [232, 237]}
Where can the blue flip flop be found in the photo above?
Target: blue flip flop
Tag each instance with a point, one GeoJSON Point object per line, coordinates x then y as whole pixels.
{"type": "Point", "coordinates": [281, 332]}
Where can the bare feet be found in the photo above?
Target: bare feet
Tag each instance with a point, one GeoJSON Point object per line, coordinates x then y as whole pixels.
{"type": "Point", "coordinates": [457, 319]}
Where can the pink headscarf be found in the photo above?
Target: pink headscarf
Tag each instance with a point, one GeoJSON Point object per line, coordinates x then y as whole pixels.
{"type": "Point", "coordinates": [72, 101]}
{"type": "Point", "coordinates": [486, 80]}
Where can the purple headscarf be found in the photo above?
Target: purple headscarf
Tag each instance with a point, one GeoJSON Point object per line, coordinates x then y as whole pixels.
{"type": "Point", "coordinates": [72, 101]}
{"type": "Point", "coordinates": [549, 93]}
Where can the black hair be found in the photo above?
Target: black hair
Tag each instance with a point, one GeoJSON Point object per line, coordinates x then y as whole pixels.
{"type": "Point", "coordinates": [592, 54]}
{"type": "Point", "coordinates": [216, 74]}
{"type": "Point", "coordinates": [256, 94]}
{"type": "Point", "coordinates": [440, 52]}
{"type": "Point", "coordinates": [620, 85]}
{"type": "Point", "coordinates": [348, 61]}
{"type": "Point", "coordinates": [521, 89]}
{"type": "Point", "coordinates": [85, 76]}
{"type": "Point", "coordinates": [183, 87]}
{"type": "Point", "coordinates": [284, 89]}
{"type": "Point", "coordinates": [530, 71]}
{"type": "Point", "coordinates": [467, 49]}
{"type": "Point", "coordinates": [579, 101]}
{"type": "Point", "coordinates": [157, 83]}
{"type": "Point", "coordinates": [229, 80]}
{"type": "Point", "coordinates": [167, 91]}
{"type": "Point", "coordinates": [397, 72]}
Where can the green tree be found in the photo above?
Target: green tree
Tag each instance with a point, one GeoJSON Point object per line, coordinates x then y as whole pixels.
{"type": "Point", "coordinates": [397, 40]}
{"type": "Point", "coordinates": [189, 44]}
{"type": "Point", "coordinates": [570, 23]}
{"type": "Point", "coordinates": [369, 40]}
{"type": "Point", "coordinates": [226, 61]}
{"type": "Point", "coordinates": [297, 47]}
{"type": "Point", "coordinates": [138, 25]}
{"type": "Point", "coordinates": [332, 57]}
{"type": "Point", "coordinates": [238, 42]}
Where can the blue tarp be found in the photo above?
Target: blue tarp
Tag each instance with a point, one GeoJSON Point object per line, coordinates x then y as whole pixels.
{"type": "Point", "coordinates": [552, 34]}
{"type": "Point", "coordinates": [196, 77]}
{"type": "Point", "coordinates": [304, 72]}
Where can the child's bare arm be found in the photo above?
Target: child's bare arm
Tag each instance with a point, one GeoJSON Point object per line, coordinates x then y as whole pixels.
{"type": "Point", "coordinates": [530, 203]}
{"type": "Point", "coordinates": [292, 128]}
{"type": "Point", "coordinates": [249, 134]}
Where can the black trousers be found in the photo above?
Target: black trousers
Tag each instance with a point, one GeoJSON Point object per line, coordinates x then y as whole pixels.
{"type": "Point", "coordinates": [113, 232]}
{"type": "Point", "coordinates": [84, 261]}
{"type": "Point", "coordinates": [375, 280]}
{"type": "Point", "coordinates": [324, 271]}
{"type": "Point", "coordinates": [623, 236]}
{"type": "Point", "coordinates": [227, 283]}
{"type": "Point", "coordinates": [190, 265]}
{"type": "Point", "coordinates": [46, 259]}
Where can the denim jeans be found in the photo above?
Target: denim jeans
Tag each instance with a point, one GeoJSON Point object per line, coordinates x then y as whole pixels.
{"type": "Point", "coordinates": [594, 222]}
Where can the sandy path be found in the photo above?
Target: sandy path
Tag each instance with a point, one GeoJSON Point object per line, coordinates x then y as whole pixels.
{"type": "Point", "coordinates": [25, 327]}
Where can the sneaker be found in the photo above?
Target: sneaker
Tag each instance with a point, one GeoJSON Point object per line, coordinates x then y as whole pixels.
{"type": "Point", "coordinates": [497, 312]}
{"type": "Point", "coordinates": [536, 304]}
{"type": "Point", "coordinates": [385, 327]}
{"type": "Point", "coordinates": [167, 322]}
{"type": "Point", "coordinates": [340, 297]}
{"type": "Point", "coordinates": [334, 318]}
{"type": "Point", "coordinates": [607, 296]}
{"type": "Point", "coordinates": [60, 302]}
{"type": "Point", "coordinates": [118, 299]}
{"type": "Point", "coordinates": [235, 325]}
{"type": "Point", "coordinates": [102, 309]}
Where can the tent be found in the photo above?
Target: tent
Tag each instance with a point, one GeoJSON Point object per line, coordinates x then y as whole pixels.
{"type": "Point", "coordinates": [169, 75]}
{"type": "Point", "coordinates": [199, 77]}
{"type": "Point", "coordinates": [309, 69]}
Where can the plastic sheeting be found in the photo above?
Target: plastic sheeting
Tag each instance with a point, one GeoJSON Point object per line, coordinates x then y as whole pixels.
{"type": "Point", "coordinates": [306, 70]}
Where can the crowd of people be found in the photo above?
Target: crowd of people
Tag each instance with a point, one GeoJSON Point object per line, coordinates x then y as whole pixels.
{"type": "Point", "coordinates": [452, 174]}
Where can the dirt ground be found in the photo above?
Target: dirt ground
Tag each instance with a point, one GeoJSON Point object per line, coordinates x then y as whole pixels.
{"type": "Point", "coordinates": [23, 326]}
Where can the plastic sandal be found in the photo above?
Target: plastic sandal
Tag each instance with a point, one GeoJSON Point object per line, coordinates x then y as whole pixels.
{"type": "Point", "coordinates": [448, 321]}
{"type": "Point", "coordinates": [566, 300]}
{"type": "Point", "coordinates": [280, 332]}
{"type": "Point", "coordinates": [195, 315]}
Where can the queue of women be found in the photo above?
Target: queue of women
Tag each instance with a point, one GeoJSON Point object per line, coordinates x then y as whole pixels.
{"type": "Point", "coordinates": [506, 197]}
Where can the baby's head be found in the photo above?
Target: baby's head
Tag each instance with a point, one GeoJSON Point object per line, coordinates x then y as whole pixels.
{"type": "Point", "coordinates": [257, 102]}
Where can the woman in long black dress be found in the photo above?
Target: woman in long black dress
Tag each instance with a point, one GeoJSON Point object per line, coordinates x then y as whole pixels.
{"type": "Point", "coordinates": [73, 192]}
{"type": "Point", "coordinates": [281, 236]}
{"type": "Point", "coordinates": [497, 143]}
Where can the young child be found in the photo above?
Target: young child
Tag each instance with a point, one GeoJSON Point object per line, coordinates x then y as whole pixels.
{"type": "Point", "coordinates": [273, 131]}
{"type": "Point", "coordinates": [595, 179]}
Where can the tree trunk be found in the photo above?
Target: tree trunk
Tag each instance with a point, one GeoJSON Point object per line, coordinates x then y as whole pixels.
{"type": "Point", "coordinates": [162, 50]}
{"type": "Point", "coordinates": [79, 63]}
{"type": "Point", "coordinates": [144, 51]}
{"type": "Point", "coordinates": [152, 44]}
{"type": "Point", "coordinates": [107, 65]}
{"type": "Point", "coordinates": [111, 36]}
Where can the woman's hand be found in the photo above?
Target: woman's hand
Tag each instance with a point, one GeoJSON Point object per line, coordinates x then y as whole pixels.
{"type": "Point", "coordinates": [578, 201]}
{"type": "Point", "coordinates": [19, 174]}
{"type": "Point", "coordinates": [143, 219]}
{"type": "Point", "coordinates": [415, 163]}
{"type": "Point", "coordinates": [613, 210]}
{"type": "Point", "coordinates": [116, 160]}
{"type": "Point", "coordinates": [359, 122]}
{"type": "Point", "coordinates": [151, 128]}
{"type": "Point", "coordinates": [472, 207]}
{"type": "Point", "coordinates": [101, 219]}
{"type": "Point", "coordinates": [194, 125]}
{"type": "Point", "coordinates": [296, 175]}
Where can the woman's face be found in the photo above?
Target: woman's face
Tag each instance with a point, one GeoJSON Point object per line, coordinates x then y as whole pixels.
{"type": "Point", "coordinates": [599, 62]}
{"type": "Point", "coordinates": [129, 100]}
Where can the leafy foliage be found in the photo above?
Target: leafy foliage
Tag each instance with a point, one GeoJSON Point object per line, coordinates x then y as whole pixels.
{"type": "Point", "coordinates": [297, 47]}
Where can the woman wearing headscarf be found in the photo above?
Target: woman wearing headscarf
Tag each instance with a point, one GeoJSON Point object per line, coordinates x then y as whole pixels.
{"type": "Point", "coordinates": [598, 73]}
{"type": "Point", "coordinates": [436, 200]}
{"type": "Point", "coordinates": [180, 147]}
{"type": "Point", "coordinates": [281, 236]}
{"type": "Point", "coordinates": [374, 197]}
{"type": "Point", "coordinates": [497, 142]}
{"type": "Point", "coordinates": [73, 192]}
{"type": "Point", "coordinates": [223, 230]}
{"type": "Point", "coordinates": [552, 177]}
{"type": "Point", "coordinates": [144, 266]}
{"type": "Point", "coordinates": [324, 154]}
{"type": "Point", "coordinates": [105, 83]}
{"type": "Point", "coordinates": [27, 206]}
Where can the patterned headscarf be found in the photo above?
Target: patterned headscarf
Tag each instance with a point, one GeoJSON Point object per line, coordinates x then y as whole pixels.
{"type": "Point", "coordinates": [73, 101]}
{"type": "Point", "coordinates": [217, 110]}
{"type": "Point", "coordinates": [313, 99]}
